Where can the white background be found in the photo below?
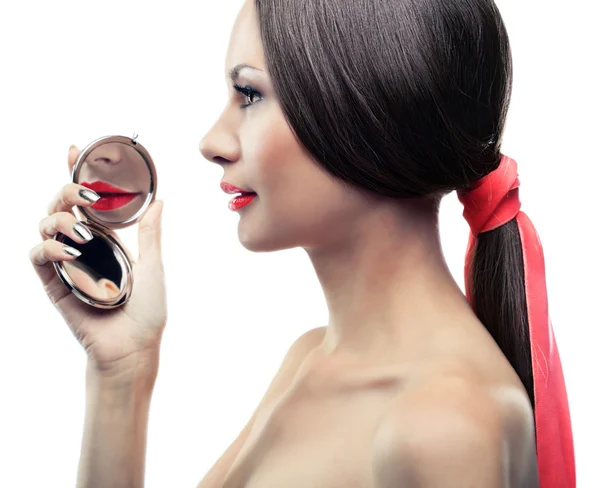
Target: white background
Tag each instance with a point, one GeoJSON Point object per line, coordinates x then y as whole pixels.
{"type": "Point", "coordinates": [73, 71]}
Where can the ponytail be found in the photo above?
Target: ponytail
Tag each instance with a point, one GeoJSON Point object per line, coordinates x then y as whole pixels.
{"type": "Point", "coordinates": [505, 284]}
{"type": "Point", "coordinates": [499, 301]}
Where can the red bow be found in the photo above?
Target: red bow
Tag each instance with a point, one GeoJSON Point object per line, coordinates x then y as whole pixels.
{"type": "Point", "coordinates": [491, 202]}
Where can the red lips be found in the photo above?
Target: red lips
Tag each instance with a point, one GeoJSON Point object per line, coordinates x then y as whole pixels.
{"type": "Point", "coordinates": [111, 197]}
{"type": "Point", "coordinates": [231, 189]}
{"type": "Point", "coordinates": [240, 201]}
{"type": "Point", "coordinates": [103, 187]}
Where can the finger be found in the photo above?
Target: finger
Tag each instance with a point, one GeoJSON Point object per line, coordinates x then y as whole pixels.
{"type": "Point", "coordinates": [149, 232]}
{"type": "Point", "coordinates": [42, 257]}
{"type": "Point", "coordinates": [74, 153]}
{"type": "Point", "coordinates": [71, 195]}
{"type": "Point", "coordinates": [67, 224]}
{"type": "Point", "coordinates": [49, 251]}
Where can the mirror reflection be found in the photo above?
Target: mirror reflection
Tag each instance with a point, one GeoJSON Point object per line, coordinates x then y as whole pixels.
{"type": "Point", "coordinates": [120, 175]}
{"type": "Point", "coordinates": [97, 272]}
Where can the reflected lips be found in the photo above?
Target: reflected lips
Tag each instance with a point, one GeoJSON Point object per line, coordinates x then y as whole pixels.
{"type": "Point", "coordinates": [111, 196]}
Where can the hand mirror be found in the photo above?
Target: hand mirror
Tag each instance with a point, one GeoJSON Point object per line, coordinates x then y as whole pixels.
{"type": "Point", "coordinates": [121, 171]}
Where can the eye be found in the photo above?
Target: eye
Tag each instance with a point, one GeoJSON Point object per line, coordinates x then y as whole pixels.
{"type": "Point", "coordinates": [249, 92]}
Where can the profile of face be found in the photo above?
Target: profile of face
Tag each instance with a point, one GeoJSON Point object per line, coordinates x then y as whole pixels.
{"type": "Point", "coordinates": [297, 203]}
{"type": "Point", "coordinates": [119, 174]}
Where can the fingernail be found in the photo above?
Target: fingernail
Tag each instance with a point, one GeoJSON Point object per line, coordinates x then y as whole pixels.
{"type": "Point", "coordinates": [71, 251]}
{"type": "Point", "coordinates": [89, 195]}
{"type": "Point", "coordinates": [72, 146]}
{"type": "Point", "coordinates": [82, 231]}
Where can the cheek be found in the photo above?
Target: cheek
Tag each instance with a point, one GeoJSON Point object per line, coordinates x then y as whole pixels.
{"type": "Point", "coordinates": [298, 198]}
{"type": "Point", "coordinates": [279, 168]}
{"type": "Point", "coordinates": [84, 174]}
{"type": "Point", "coordinates": [267, 147]}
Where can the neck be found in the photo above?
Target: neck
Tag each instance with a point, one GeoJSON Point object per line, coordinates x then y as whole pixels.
{"type": "Point", "coordinates": [386, 282]}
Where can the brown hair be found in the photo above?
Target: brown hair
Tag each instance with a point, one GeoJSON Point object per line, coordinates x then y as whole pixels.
{"type": "Point", "coordinates": [407, 98]}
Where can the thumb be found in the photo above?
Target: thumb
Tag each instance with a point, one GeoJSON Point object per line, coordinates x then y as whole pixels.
{"type": "Point", "coordinates": [149, 233]}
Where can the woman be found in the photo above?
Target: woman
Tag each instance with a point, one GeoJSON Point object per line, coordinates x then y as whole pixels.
{"type": "Point", "coordinates": [348, 121]}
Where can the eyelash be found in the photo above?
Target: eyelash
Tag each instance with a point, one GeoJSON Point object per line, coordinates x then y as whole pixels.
{"type": "Point", "coordinates": [247, 91]}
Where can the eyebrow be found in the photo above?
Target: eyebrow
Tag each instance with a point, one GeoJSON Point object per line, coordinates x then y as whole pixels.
{"type": "Point", "coordinates": [234, 73]}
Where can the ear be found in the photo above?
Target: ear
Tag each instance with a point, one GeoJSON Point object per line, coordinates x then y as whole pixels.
{"type": "Point", "coordinates": [73, 155]}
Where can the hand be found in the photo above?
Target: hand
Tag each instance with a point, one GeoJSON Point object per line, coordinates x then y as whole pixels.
{"type": "Point", "coordinates": [114, 339]}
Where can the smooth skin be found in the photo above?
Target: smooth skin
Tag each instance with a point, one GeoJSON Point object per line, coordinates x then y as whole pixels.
{"type": "Point", "coordinates": [122, 345]}
{"type": "Point", "coordinates": [404, 387]}
{"type": "Point", "coordinates": [108, 336]}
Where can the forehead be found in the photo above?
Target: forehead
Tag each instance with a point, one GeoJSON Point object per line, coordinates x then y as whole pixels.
{"type": "Point", "coordinates": [245, 45]}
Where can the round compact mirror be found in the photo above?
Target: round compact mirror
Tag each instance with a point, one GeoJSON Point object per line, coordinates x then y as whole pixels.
{"type": "Point", "coordinates": [121, 171]}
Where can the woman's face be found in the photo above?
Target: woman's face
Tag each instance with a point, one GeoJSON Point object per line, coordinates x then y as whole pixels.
{"type": "Point", "coordinates": [298, 203]}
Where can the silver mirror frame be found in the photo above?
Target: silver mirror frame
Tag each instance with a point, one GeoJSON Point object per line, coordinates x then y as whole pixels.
{"type": "Point", "coordinates": [99, 228]}
{"type": "Point", "coordinates": [122, 259]}
{"type": "Point", "coordinates": [149, 164]}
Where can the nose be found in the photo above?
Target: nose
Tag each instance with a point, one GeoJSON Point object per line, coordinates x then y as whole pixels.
{"type": "Point", "coordinates": [108, 154]}
{"type": "Point", "coordinates": [219, 147]}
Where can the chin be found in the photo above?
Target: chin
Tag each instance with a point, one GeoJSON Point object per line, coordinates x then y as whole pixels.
{"type": "Point", "coordinates": [259, 240]}
{"type": "Point", "coordinates": [256, 244]}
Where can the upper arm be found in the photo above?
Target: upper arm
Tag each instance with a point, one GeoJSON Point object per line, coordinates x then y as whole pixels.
{"type": "Point", "coordinates": [289, 366]}
{"type": "Point", "coordinates": [447, 435]}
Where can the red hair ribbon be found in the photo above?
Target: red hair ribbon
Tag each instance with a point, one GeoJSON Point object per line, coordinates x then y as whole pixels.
{"type": "Point", "coordinates": [491, 202]}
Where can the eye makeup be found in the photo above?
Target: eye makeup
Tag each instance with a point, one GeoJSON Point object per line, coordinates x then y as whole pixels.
{"type": "Point", "coordinates": [247, 91]}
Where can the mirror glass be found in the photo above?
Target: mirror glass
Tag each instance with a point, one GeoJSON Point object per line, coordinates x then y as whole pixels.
{"type": "Point", "coordinates": [120, 175]}
{"type": "Point", "coordinates": [98, 272]}
{"type": "Point", "coordinates": [121, 171]}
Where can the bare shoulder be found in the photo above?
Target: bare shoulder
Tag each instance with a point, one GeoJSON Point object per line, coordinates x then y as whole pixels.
{"type": "Point", "coordinates": [302, 346]}
{"type": "Point", "coordinates": [452, 431]}
{"type": "Point", "coordinates": [292, 361]}
{"type": "Point", "coordinates": [309, 339]}
{"type": "Point", "coordinates": [281, 381]}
